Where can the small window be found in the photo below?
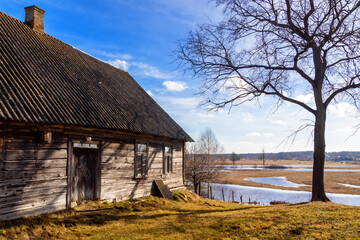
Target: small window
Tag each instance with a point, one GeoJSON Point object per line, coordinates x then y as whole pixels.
{"type": "Point", "coordinates": [141, 160]}
{"type": "Point", "coordinates": [168, 165]}
{"type": "Point", "coordinates": [141, 148]}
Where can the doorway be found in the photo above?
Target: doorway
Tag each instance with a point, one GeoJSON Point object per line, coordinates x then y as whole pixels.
{"type": "Point", "coordinates": [84, 174]}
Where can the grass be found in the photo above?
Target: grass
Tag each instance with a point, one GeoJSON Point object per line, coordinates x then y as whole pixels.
{"type": "Point", "coordinates": [189, 217]}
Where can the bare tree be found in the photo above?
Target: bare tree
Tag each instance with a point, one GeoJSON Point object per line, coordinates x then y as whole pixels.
{"type": "Point", "coordinates": [266, 47]}
{"type": "Point", "coordinates": [200, 156]}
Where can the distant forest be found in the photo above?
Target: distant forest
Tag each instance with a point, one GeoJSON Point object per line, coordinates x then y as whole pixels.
{"type": "Point", "coordinates": [302, 156]}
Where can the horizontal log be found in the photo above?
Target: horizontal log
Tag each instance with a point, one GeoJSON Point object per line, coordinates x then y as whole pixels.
{"type": "Point", "coordinates": [32, 187]}
{"type": "Point", "coordinates": [23, 182]}
{"type": "Point", "coordinates": [155, 165]}
{"type": "Point", "coordinates": [110, 153]}
{"type": "Point", "coordinates": [33, 145]}
{"type": "Point", "coordinates": [51, 153]}
{"type": "Point", "coordinates": [20, 154]}
{"type": "Point", "coordinates": [32, 197]}
{"type": "Point", "coordinates": [35, 205]}
{"type": "Point", "coordinates": [19, 136]}
{"type": "Point", "coordinates": [33, 211]}
{"type": "Point", "coordinates": [115, 188]}
{"type": "Point", "coordinates": [115, 181]}
{"type": "Point", "coordinates": [117, 174]}
{"type": "Point", "coordinates": [115, 168]}
{"type": "Point", "coordinates": [136, 193]}
{"type": "Point", "coordinates": [39, 174]}
{"type": "Point", "coordinates": [117, 157]}
{"type": "Point", "coordinates": [33, 164]}
{"type": "Point", "coordinates": [118, 146]}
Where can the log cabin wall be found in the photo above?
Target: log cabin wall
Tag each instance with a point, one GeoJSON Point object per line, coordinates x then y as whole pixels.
{"type": "Point", "coordinates": [35, 177]}
{"type": "Point", "coordinates": [117, 173]}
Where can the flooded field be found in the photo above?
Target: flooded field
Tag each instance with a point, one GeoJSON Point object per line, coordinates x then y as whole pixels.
{"type": "Point", "coordinates": [277, 181]}
{"type": "Point", "coordinates": [265, 195]}
{"type": "Point", "coordinates": [291, 176]}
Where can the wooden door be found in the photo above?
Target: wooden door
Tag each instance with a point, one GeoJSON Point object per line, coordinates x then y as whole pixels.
{"type": "Point", "coordinates": [84, 174]}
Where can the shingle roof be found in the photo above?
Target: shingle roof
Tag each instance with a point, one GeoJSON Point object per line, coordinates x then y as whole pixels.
{"type": "Point", "coordinates": [45, 80]}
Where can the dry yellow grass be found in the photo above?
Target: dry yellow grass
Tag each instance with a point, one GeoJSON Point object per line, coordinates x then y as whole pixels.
{"type": "Point", "coordinates": [190, 217]}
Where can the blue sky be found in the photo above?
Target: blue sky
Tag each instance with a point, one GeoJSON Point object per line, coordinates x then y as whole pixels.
{"type": "Point", "coordinates": [140, 37]}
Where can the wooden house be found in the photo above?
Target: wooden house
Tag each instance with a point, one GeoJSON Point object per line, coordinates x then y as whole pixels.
{"type": "Point", "coordinates": [74, 128]}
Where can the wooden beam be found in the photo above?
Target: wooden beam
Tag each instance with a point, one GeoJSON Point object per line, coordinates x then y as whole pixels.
{"type": "Point", "coordinates": [69, 173]}
{"type": "Point", "coordinates": [98, 166]}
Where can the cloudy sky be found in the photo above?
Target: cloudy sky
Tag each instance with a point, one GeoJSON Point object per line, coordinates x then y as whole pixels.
{"type": "Point", "coordinates": [140, 36]}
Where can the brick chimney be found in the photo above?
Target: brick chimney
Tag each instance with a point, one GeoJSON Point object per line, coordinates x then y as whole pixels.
{"type": "Point", "coordinates": [34, 17]}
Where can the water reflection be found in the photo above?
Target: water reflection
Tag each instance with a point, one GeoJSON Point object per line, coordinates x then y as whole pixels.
{"type": "Point", "coordinates": [266, 195]}
{"type": "Point", "coordinates": [277, 181]}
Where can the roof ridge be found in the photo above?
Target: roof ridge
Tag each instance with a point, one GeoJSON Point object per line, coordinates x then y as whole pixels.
{"type": "Point", "coordinates": [97, 58]}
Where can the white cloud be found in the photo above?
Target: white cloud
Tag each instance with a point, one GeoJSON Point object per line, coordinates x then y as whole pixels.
{"type": "Point", "coordinates": [268, 135]}
{"type": "Point", "coordinates": [114, 55]}
{"type": "Point", "coordinates": [307, 98]}
{"type": "Point", "coordinates": [343, 109]}
{"type": "Point", "coordinates": [175, 86]}
{"type": "Point", "coordinates": [279, 122]}
{"type": "Point", "coordinates": [254, 134]}
{"type": "Point", "coordinates": [139, 68]}
{"type": "Point", "coordinates": [184, 102]}
{"type": "Point", "coordinates": [149, 71]}
{"type": "Point", "coordinates": [202, 115]}
{"type": "Point", "coordinates": [122, 64]}
{"type": "Point", "coordinates": [248, 117]}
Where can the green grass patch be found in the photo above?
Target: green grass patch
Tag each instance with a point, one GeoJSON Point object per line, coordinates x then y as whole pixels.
{"type": "Point", "coordinates": [189, 217]}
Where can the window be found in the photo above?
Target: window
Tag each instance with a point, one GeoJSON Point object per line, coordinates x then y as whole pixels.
{"type": "Point", "coordinates": [168, 165]}
{"type": "Point", "coordinates": [140, 160]}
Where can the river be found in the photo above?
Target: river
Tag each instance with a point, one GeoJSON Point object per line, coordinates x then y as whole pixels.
{"type": "Point", "coordinates": [266, 195]}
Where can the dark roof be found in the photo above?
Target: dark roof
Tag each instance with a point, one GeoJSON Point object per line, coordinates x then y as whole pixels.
{"type": "Point", "coordinates": [44, 80]}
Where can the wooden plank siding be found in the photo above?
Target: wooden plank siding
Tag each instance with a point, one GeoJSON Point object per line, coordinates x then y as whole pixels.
{"type": "Point", "coordinates": [117, 181]}
{"type": "Point", "coordinates": [35, 177]}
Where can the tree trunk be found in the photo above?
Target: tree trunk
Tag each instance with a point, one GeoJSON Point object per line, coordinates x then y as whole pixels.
{"type": "Point", "coordinates": [195, 187]}
{"type": "Point", "coordinates": [318, 190]}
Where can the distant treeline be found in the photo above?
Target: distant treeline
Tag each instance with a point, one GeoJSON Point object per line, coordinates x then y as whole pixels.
{"type": "Point", "coordinates": [302, 156]}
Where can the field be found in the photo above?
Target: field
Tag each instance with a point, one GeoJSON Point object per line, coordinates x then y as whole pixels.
{"type": "Point", "coordinates": [190, 217]}
{"type": "Point", "coordinates": [331, 178]}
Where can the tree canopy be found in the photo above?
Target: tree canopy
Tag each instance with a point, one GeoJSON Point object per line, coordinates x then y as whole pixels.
{"type": "Point", "coordinates": [279, 48]}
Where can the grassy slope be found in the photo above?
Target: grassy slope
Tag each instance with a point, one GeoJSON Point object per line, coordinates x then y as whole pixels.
{"type": "Point", "coordinates": [190, 217]}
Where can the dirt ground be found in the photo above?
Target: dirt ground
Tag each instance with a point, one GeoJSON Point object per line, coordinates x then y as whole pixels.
{"type": "Point", "coordinates": [331, 178]}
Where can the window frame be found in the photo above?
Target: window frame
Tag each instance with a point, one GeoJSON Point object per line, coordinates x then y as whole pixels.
{"type": "Point", "coordinates": [167, 159]}
{"type": "Point", "coordinates": [142, 172]}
